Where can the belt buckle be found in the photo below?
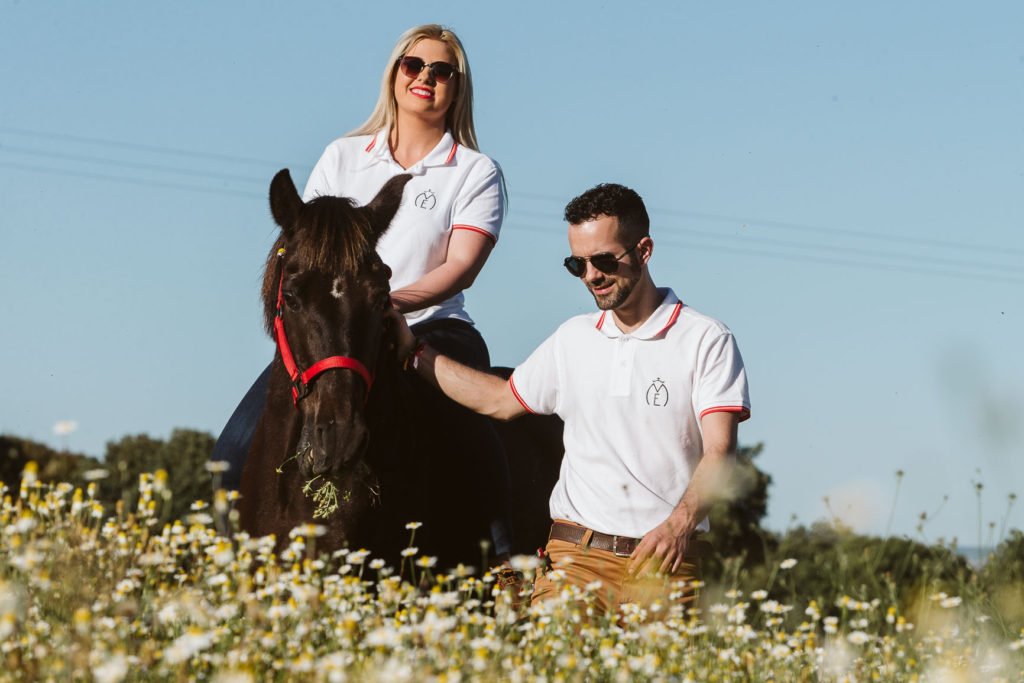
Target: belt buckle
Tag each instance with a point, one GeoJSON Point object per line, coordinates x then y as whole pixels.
{"type": "Point", "coordinates": [615, 546]}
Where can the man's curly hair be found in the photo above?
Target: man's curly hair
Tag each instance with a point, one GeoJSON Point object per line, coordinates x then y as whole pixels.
{"type": "Point", "coordinates": [611, 199]}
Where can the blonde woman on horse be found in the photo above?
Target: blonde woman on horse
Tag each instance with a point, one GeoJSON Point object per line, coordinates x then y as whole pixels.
{"type": "Point", "coordinates": [440, 239]}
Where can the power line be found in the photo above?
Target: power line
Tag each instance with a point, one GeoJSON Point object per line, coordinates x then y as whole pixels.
{"type": "Point", "coordinates": [129, 164]}
{"type": "Point", "coordinates": [675, 242]}
{"type": "Point", "coordinates": [817, 229]}
{"type": "Point", "coordinates": [826, 260]}
{"type": "Point", "coordinates": [932, 260]}
{"type": "Point", "coordinates": [728, 250]}
{"type": "Point", "coordinates": [931, 265]}
{"type": "Point", "coordinates": [919, 241]}
{"type": "Point", "coordinates": [784, 225]}
{"type": "Point", "coordinates": [668, 231]}
{"type": "Point", "coordinates": [130, 181]}
{"type": "Point", "coordinates": [230, 158]}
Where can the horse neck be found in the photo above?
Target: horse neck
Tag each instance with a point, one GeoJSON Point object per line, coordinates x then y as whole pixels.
{"type": "Point", "coordinates": [283, 422]}
{"type": "Point", "coordinates": [386, 405]}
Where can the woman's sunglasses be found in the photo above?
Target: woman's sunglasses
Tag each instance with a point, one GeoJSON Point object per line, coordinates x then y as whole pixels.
{"type": "Point", "coordinates": [606, 263]}
{"type": "Point", "coordinates": [441, 72]}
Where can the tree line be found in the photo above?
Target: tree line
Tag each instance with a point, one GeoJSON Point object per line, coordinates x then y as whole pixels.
{"type": "Point", "coordinates": [183, 456]}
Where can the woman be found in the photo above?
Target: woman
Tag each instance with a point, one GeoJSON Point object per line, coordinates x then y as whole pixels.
{"type": "Point", "coordinates": [451, 215]}
{"type": "Point", "coordinates": [444, 231]}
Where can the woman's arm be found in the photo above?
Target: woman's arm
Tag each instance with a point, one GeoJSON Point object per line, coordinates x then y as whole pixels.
{"type": "Point", "coordinates": [467, 252]}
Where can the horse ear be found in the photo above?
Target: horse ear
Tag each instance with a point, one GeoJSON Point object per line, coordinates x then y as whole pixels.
{"type": "Point", "coordinates": [384, 206]}
{"type": "Point", "coordinates": [285, 202]}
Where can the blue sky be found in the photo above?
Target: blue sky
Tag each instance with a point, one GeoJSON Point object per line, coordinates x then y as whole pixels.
{"type": "Point", "coordinates": [840, 184]}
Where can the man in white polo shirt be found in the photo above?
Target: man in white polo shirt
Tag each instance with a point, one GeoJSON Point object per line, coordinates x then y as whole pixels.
{"type": "Point", "coordinates": [651, 393]}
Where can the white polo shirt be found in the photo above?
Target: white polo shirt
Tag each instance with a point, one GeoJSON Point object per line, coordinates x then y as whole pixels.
{"type": "Point", "coordinates": [452, 188]}
{"type": "Point", "coordinates": [632, 405]}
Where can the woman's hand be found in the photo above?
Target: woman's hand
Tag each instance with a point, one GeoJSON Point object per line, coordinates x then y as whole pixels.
{"type": "Point", "coordinates": [405, 340]}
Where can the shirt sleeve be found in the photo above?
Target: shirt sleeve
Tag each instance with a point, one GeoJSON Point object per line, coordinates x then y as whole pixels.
{"type": "Point", "coordinates": [319, 183]}
{"type": "Point", "coordinates": [722, 379]}
{"type": "Point", "coordinates": [535, 382]}
{"type": "Point", "coordinates": [480, 205]}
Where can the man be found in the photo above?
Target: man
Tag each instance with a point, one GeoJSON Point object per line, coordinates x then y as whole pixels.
{"type": "Point", "coordinates": [651, 393]}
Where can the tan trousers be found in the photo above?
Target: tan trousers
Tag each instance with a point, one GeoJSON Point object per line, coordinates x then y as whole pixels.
{"type": "Point", "coordinates": [589, 566]}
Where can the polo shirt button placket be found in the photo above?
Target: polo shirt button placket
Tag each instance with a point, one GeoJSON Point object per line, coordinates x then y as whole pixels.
{"type": "Point", "coordinates": [622, 367]}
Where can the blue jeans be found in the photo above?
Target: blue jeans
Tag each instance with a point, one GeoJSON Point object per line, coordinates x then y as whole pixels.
{"type": "Point", "coordinates": [454, 338]}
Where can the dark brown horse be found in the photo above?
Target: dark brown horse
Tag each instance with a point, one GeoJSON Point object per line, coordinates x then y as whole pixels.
{"type": "Point", "coordinates": [362, 425]}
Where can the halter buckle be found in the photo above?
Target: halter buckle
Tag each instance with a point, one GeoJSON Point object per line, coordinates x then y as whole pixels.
{"type": "Point", "coordinates": [300, 389]}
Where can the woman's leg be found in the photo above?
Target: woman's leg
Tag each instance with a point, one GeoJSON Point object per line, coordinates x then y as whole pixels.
{"type": "Point", "coordinates": [233, 443]}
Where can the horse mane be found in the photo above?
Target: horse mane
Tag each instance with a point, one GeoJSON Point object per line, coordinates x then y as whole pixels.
{"type": "Point", "coordinates": [317, 244]}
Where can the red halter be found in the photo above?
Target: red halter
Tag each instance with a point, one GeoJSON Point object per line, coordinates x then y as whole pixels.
{"type": "Point", "coordinates": [302, 379]}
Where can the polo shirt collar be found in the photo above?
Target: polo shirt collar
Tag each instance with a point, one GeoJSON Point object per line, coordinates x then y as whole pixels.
{"type": "Point", "coordinates": [379, 151]}
{"type": "Point", "coordinates": [664, 317]}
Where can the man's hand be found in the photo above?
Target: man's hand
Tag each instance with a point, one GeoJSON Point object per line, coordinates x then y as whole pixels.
{"type": "Point", "coordinates": [482, 392]}
{"type": "Point", "coordinates": [662, 550]}
{"type": "Point", "coordinates": [404, 338]}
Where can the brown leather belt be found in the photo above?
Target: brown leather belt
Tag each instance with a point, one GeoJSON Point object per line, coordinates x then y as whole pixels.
{"type": "Point", "coordinates": [621, 546]}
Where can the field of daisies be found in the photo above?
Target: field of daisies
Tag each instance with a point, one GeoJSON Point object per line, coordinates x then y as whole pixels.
{"type": "Point", "coordinates": [88, 593]}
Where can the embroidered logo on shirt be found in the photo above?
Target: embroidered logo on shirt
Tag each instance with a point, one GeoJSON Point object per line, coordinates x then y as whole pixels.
{"type": "Point", "coordinates": [426, 200]}
{"type": "Point", "coordinates": [657, 393]}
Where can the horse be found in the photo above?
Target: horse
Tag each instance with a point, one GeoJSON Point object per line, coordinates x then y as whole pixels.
{"type": "Point", "coordinates": [344, 421]}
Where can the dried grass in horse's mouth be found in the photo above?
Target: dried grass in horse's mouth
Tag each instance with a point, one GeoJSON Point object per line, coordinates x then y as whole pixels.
{"type": "Point", "coordinates": [325, 497]}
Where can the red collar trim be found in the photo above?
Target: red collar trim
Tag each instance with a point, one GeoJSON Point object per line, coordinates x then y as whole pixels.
{"type": "Point", "coordinates": [672, 319]}
{"type": "Point", "coordinates": [638, 334]}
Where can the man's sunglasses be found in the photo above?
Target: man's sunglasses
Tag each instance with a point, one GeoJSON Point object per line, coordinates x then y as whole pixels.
{"type": "Point", "coordinates": [606, 263]}
{"type": "Point", "coordinates": [441, 72]}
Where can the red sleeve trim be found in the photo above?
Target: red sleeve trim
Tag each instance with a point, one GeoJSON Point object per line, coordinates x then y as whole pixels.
{"type": "Point", "coordinates": [451, 155]}
{"type": "Point", "coordinates": [372, 143]}
{"type": "Point", "coordinates": [744, 412]}
{"type": "Point", "coordinates": [512, 385]}
{"type": "Point", "coordinates": [493, 239]}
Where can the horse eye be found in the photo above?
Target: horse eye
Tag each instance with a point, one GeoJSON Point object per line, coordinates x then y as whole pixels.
{"type": "Point", "coordinates": [290, 300]}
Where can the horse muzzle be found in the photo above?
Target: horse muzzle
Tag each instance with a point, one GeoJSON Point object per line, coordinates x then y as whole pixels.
{"type": "Point", "coordinates": [331, 444]}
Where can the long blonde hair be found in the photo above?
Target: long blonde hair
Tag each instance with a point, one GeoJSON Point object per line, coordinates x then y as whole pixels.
{"type": "Point", "coordinates": [459, 118]}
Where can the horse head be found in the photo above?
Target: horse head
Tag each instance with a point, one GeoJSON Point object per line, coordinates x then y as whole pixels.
{"type": "Point", "coordinates": [325, 296]}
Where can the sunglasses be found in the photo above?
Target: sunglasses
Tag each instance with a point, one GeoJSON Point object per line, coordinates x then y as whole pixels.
{"type": "Point", "coordinates": [606, 263]}
{"type": "Point", "coordinates": [441, 72]}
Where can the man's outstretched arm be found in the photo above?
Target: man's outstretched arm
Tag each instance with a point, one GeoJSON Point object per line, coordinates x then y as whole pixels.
{"type": "Point", "coordinates": [479, 391]}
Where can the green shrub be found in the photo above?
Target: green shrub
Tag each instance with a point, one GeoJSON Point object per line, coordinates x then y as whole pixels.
{"type": "Point", "coordinates": [1002, 578]}
{"type": "Point", "coordinates": [53, 466]}
{"type": "Point", "coordinates": [832, 560]}
{"type": "Point", "coordinates": [183, 457]}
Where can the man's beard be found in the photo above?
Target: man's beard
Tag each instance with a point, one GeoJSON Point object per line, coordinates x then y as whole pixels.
{"type": "Point", "coordinates": [621, 290]}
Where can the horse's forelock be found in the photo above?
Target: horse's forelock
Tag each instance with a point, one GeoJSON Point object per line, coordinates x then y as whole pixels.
{"type": "Point", "coordinates": [331, 236]}
{"type": "Point", "coordinates": [335, 237]}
